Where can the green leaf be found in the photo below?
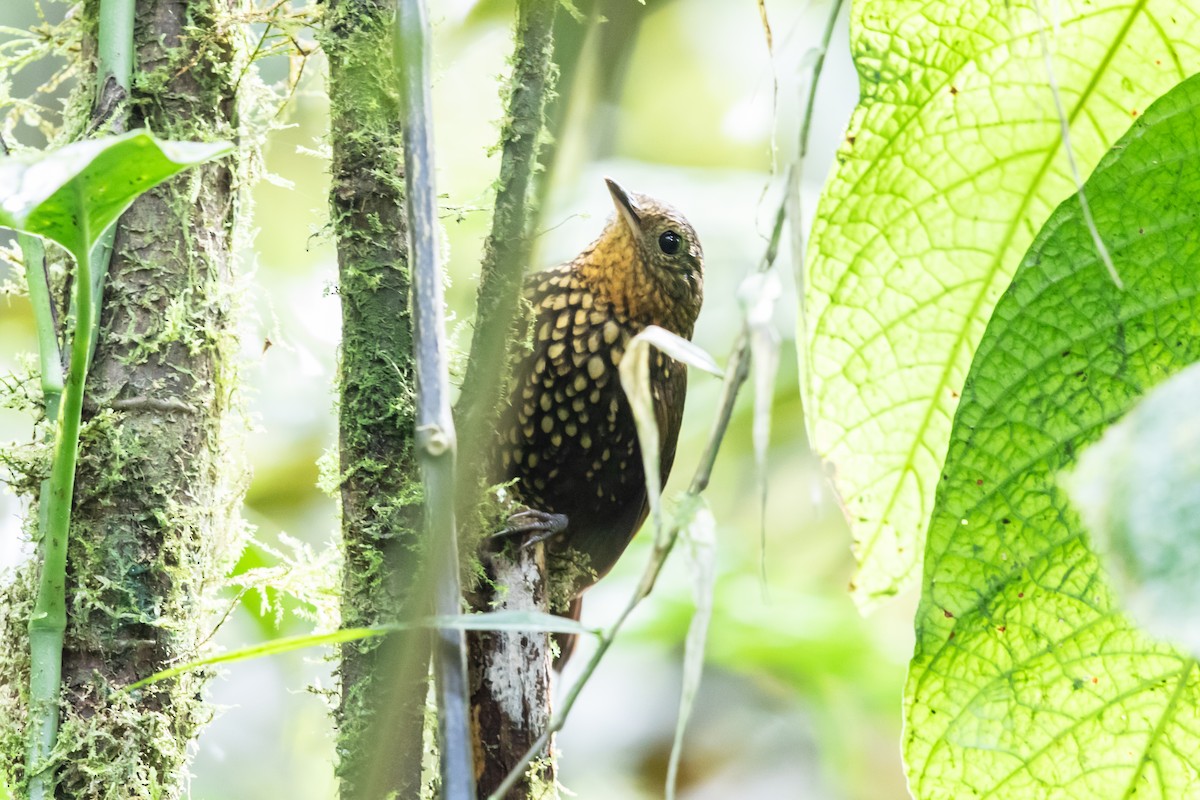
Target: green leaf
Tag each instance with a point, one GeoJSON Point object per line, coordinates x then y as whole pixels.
{"type": "Point", "coordinates": [490, 621]}
{"type": "Point", "coordinates": [1027, 681]}
{"type": "Point", "coordinates": [952, 161]}
{"type": "Point", "coordinates": [699, 531]}
{"type": "Point", "coordinates": [635, 380]}
{"type": "Point", "coordinates": [73, 194]}
{"type": "Point", "coordinates": [1138, 491]}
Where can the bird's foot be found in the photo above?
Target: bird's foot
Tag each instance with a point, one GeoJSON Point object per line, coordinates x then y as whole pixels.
{"type": "Point", "coordinates": [542, 524]}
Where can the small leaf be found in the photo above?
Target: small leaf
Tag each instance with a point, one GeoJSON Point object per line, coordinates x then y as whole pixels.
{"type": "Point", "coordinates": [490, 621]}
{"type": "Point", "coordinates": [698, 529]}
{"type": "Point", "coordinates": [1138, 491]}
{"type": "Point", "coordinates": [635, 380]}
{"type": "Point", "coordinates": [71, 195]}
{"type": "Point", "coordinates": [758, 295]}
{"type": "Point", "coordinates": [512, 621]}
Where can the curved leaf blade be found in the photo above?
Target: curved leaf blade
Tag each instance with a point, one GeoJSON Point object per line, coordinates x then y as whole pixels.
{"type": "Point", "coordinates": [953, 160]}
{"type": "Point", "coordinates": [1027, 681]}
{"type": "Point", "coordinates": [71, 195]}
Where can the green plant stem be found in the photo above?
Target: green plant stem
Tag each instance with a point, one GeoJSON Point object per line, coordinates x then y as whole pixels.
{"type": "Point", "coordinates": [33, 251]}
{"type": "Point", "coordinates": [435, 436]}
{"type": "Point", "coordinates": [49, 619]}
{"type": "Point", "coordinates": [48, 622]}
{"type": "Point", "coordinates": [115, 43]}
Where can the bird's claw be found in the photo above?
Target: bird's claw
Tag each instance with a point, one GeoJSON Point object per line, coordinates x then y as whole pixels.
{"type": "Point", "coordinates": [541, 523]}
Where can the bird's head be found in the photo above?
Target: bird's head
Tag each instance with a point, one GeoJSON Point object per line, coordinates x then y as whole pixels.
{"type": "Point", "coordinates": [650, 258]}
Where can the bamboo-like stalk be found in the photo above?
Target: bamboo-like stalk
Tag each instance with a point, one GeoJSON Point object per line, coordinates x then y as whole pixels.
{"type": "Point", "coordinates": [435, 437]}
{"type": "Point", "coordinates": [48, 622]}
{"type": "Point", "coordinates": [33, 252]}
{"type": "Point", "coordinates": [49, 619]}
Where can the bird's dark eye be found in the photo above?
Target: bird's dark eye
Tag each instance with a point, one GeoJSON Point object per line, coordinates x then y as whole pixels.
{"type": "Point", "coordinates": [669, 242]}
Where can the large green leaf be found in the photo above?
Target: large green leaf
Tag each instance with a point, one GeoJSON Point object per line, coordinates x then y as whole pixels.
{"type": "Point", "coordinates": [952, 161]}
{"type": "Point", "coordinates": [71, 195]}
{"type": "Point", "coordinates": [1027, 681]}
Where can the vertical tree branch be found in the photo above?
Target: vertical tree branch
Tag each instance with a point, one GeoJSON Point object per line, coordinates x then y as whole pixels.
{"type": "Point", "coordinates": [509, 673]}
{"type": "Point", "coordinates": [436, 447]}
{"type": "Point", "coordinates": [384, 681]}
{"type": "Point", "coordinates": [506, 251]}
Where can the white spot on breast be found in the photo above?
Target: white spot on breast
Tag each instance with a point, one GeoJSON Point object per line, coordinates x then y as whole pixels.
{"type": "Point", "coordinates": [595, 367]}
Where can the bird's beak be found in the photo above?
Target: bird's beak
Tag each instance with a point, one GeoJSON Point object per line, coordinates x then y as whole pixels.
{"type": "Point", "coordinates": [624, 206]}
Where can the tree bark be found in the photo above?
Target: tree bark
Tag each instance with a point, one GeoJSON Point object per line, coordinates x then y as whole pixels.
{"type": "Point", "coordinates": [510, 681]}
{"type": "Point", "coordinates": [153, 528]}
{"type": "Point", "coordinates": [509, 673]}
{"type": "Point", "coordinates": [384, 681]}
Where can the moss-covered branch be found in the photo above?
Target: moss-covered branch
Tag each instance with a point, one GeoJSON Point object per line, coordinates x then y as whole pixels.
{"type": "Point", "coordinates": [506, 251]}
{"type": "Point", "coordinates": [383, 683]}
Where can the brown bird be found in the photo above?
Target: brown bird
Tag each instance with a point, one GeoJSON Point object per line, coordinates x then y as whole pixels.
{"type": "Point", "coordinates": [568, 435]}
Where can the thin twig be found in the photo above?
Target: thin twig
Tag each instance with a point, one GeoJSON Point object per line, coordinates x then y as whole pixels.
{"type": "Point", "coordinates": [435, 439]}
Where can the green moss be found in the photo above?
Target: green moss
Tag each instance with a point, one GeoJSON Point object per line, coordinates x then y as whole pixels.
{"type": "Point", "coordinates": [160, 474]}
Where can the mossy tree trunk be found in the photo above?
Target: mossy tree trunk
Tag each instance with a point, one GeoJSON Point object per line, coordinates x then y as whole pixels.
{"type": "Point", "coordinates": [153, 528]}
{"type": "Point", "coordinates": [384, 682]}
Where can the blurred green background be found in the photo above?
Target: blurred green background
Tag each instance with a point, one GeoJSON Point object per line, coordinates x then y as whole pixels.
{"type": "Point", "coordinates": [801, 696]}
